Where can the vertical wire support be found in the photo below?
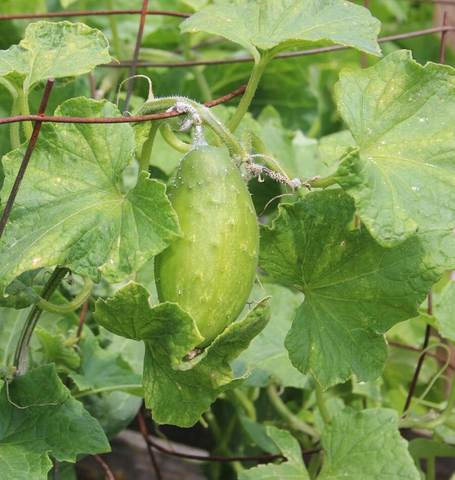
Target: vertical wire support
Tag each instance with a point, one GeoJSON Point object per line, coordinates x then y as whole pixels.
{"type": "Point", "coordinates": [444, 33]}
{"type": "Point", "coordinates": [426, 340]}
{"type": "Point", "coordinates": [25, 161]}
{"type": "Point", "coordinates": [137, 48]}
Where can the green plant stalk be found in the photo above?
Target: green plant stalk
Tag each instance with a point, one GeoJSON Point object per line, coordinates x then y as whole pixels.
{"type": "Point", "coordinates": [198, 72]}
{"type": "Point", "coordinates": [160, 104]}
{"type": "Point", "coordinates": [250, 92]}
{"type": "Point", "coordinates": [322, 182]}
{"type": "Point", "coordinates": [431, 424]}
{"type": "Point", "coordinates": [112, 388]}
{"type": "Point", "coordinates": [173, 141]}
{"type": "Point", "coordinates": [294, 422]}
{"type": "Point", "coordinates": [322, 407]}
{"type": "Point", "coordinates": [431, 469]}
{"type": "Point", "coordinates": [116, 42]}
{"type": "Point", "coordinates": [222, 440]}
{"type": "Point", "coordinates": [69, 307]}
{"type": "Point", "coordinates": [21, 352]}
{"type": "Point", "coordinates": [25, 110]}
{"type": "Point", "coordinates": [147, 148]}
{"type": "Point", "coordinates": [246, 403]}
{"type": "Point", "coordinates": [14, 130]}
{"type": "Point", "coordinates": [314, 466]}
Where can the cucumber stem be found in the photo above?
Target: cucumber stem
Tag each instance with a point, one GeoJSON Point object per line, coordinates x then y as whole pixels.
{"type": "Point", "coordinates": [322, 405]}
{"type": "Point", "coordinates": [144, 161]}
{"type": "Point", "coordinates": [294, 422]}
{"type": "Point", "coordinates": [21, 352]}
{"type": "Point", "coordinates": [247, 98]}
{"type": "Point", "coordinates": [69, 307]}
{"type": "Point", "coordinates": [173, 141]}
{"type": "Point", "coordinates": [205, 115]}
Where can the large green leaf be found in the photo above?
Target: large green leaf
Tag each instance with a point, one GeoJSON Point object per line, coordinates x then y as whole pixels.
{"type": "Point", "coordinates": [267, 357]}
{"type": "Point", "coordinates": [292, 469]}
{"type": "Point", "coordinates": [177, 391]}
{"type": "Point", "coordinates": [50, 422]}
{"type": "Point", "coordinates": [281, 24]}
{"type": "Point", "coordinates": [73, 209]}
{"type": "Point", "coordinates": [54, 50]}
{"type": "Point", "coordinates": [102, 368]}
{"type": "Point", "coordinates": [366, 445]}
{"type": "Point", "coordinates": [355, 289]}
{"type": "Point", "coordinates": [403, 178]}
{"type": "Point", "coordinates": [444, 310]}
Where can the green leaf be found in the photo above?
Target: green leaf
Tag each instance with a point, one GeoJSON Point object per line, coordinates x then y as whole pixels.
{"type": "Point", "coordinates": [403, 178]}
{"type": "Point", "coordinates": [102, 368]}
{"type": "Point", "coordinates": [366, 445]}
{"type": "Point", "coordinates": [355, 289]}
{"type": "Point", "coordinates": [443, 311]}
{"type": "Point", "coordinates": [25, 290]}
{"type": "Point", "coordinates": [54, 349]}
{"type": "Point", "coordinates": [54, 50]}
{"type": "Point", "coordinates": [177, 391]}
{"type": "Point", "coordinates": [53, 423]}
{"type": "Point", "coordinates": [267, 357]}
{"type": "Point", "coordinates": [292, 469]}
{"type": "Point", "coordinates": [11, 322]}
{"type": "Point", "coordinates": [277, 25]}
{"type": "Point", "coordinates": [72, 208]}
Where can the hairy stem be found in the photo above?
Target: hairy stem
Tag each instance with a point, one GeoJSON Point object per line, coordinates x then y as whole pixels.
{"type": "Point", "coordinates": [111, 388]}
{"type": "Point", "coordinates": [246, 403]}
{"type": "Point", "coordinates": [116, 42]}
{"type": "Point", "coordinates": [70, 306]}
{"type": "Point", "coordinates": [294, 422]}
{"type": "Point", "coordinates": [253, 83]}
{"type": "Point", "coordinates": [322, 407]}
{"type": "Point", "coordinates": [198, 72]}
{"type": "Point", "coordinates": [21, 353]}
{"type": "Point", "coordinates": [144, 161]}
{"type": "Point", "coordinates": [206, 117]}
{"type": "Point", "coordinates": [14, 132]}
{"type": "Point", "coordinates": [25, 110]}
{"type": "Point", "coordinates": [173, 141]}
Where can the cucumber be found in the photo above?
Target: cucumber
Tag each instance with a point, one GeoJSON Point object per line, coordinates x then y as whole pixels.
{"type": "Point", "coordinates": [210, 270]}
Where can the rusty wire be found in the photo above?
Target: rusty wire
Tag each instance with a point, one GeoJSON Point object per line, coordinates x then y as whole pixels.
{"type": "Point", "coordinates": [26, 159]}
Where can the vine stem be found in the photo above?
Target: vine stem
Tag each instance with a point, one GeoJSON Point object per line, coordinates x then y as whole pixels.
{"type": "Point", "coordinates": [21, 352]}
{"type": "Point", "coordinates": [322, 405]}
{"type": "Point", "coordinates": [205, 116]}
{"type": "Point", "coordinates": [247, 98]}
{"type": "Point", "coordinates": [70, 306]}
{"type": "Point", "coordinates": [116, 42]}
{"type": "Point", "coordinates": [173, 141]}
{"type": "Point", "coordinates": [22, 98]}
{"type": "Point", "coordinates": [294, 422]}
{"type": "Point", "coordinates": [112, 388]}
{"type": "Point", "coordinates": [15, 137]}
{"type": "Point", "coordinates": [433, 423]}
{"type": "Point", "coordinates": [147, 148]}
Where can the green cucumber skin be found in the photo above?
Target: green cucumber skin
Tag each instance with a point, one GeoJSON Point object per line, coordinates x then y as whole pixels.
{"type": "Point", "coordinates": [210, 270]}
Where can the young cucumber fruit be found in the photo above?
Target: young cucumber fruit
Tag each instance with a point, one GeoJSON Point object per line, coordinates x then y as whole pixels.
{"type": "Point", "coordinates": [210, 270]}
